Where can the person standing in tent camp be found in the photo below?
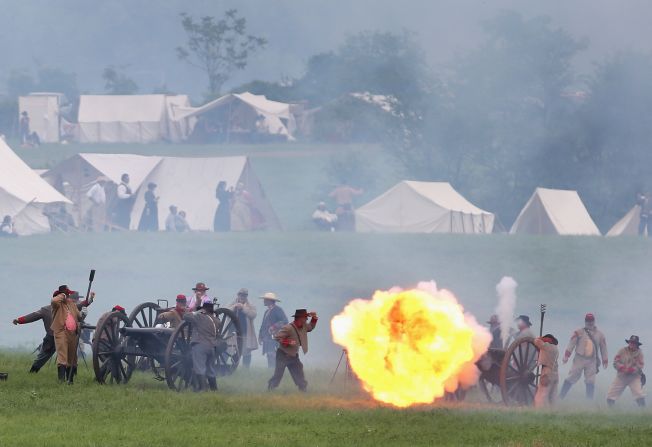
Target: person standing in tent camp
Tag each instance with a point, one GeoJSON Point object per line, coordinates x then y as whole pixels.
{"type": "Point", "coordinates": [222, 220]}
{"type": "Point", "coordinates": [643, 200]}
{"type": "Point", "coordinates": [149, 218]}
{"type": "Point", "coordinates": [24, 129]}
{"type": "Point", "coordinates": [124, 202]}
{"type": "Point", "coordinates": [343, 195]}
{"type": "Point", "coordinates": [97, 212]}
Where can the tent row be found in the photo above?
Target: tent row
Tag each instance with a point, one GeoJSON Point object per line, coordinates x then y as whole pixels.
{"type": "Point", "coordinates": [157, 117]}
{"type": "Point", "coordinates": [187, 183]}
{"type": "Point", "coordinates": [435, 207]}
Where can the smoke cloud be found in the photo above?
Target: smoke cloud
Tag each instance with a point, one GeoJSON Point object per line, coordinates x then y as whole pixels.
{"type": "Point", "coordinates": [506, 290]}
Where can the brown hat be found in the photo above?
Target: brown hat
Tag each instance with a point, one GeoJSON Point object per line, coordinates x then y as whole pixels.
{"type": "Point", "coordinates": [200, 286]}
{"type": "Point", "coordinates": [635, 339]}
{"type": "Point", "coordinates": [300, 313]}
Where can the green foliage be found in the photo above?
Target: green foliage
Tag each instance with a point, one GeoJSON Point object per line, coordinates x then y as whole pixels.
{"type": "Point", "coordinates": [47, 80]}
{"type": "Point", "coordinates": [20, 83]}
{"type": "Point", "coordinates": [218, 46]}
{"type": "Point", "coordinates": [8, 116]}
{"type": "Point", "coordinates": [116, 83]}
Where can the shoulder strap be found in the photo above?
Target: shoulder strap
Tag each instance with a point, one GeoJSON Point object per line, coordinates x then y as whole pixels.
{"type": "Point", "coordinates": [296, 332]}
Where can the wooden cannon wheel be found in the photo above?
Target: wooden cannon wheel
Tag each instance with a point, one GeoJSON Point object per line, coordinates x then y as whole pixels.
{"type": "Point", "coordinates": [178, 358]}
{"type": "Point", "coordinates": [230, 342]}
{"type": "Point", "coordinates": [109, 362]}
{"type": "Point", "coordinates": [518, 373]}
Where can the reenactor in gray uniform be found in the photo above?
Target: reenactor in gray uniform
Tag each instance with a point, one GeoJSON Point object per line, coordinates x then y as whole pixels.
{"type": "Point", "coordinates": [202, 344]}
{"type": "Point", "coordinates": [546, 394]}
{"type": "Point", "coordinates": [629, 366]}
{"type": "Point", "coordinates": [586, 342]}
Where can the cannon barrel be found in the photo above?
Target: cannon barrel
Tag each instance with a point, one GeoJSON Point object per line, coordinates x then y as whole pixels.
{"type": "Point", "coordinates": [146, 331]}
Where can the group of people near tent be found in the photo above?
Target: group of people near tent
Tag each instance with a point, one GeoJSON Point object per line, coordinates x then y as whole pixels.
{"type": "Point", "coordinates": [343, 219]}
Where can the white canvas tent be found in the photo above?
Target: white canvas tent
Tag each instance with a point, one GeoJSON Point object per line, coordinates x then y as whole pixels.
{"type": "Point", "coordinates": [628, 225]}
{"type": "Point", "coordinates": [423, 207]}
{"type": "Point", "coordinates": [130, 118]}
{"type": "Point", "coordinates": [190, 183]}
{"type": "Point", "coordinates": [554, 211]}
{"type": "Point", "coordinates": [245, 112]}
{"type": "Point", "coordinates": [43, 112]}
{"type": "Point", "coordinates": [24, 195]}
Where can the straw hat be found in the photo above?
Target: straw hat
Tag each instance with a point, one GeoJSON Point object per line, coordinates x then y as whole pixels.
{"type": "Point", "coordinates": [269, 296]}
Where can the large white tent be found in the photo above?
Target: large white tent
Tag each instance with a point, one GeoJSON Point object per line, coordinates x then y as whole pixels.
{"type": "Point", "coordinates": [423, 207]}
{"type": "Point", "coordinates": [246, 112]}
{"type": "Point", "coordinates": [628, 225]}
{"type": "Point", "coordinates": [43, 112]}
{"type": "Point", "coordinates": [554, 211]}
{"type": "Point", "coordinates": [188, 183]}
{"type": "Point", "coordinates": [131, 118]}
{"type": "Point", "coordinates": [24, 195]}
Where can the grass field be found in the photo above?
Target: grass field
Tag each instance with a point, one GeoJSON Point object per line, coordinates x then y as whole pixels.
{"type": "Point", "coordinates": [36, 410]}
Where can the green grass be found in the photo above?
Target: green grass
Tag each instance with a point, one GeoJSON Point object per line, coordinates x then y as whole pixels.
{"type": "Point", "coordinates": [36, 410]}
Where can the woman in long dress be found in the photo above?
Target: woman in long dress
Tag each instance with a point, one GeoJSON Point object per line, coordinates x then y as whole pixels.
{"type": "Point", "coordinates": [222, 220]}
{"type": "Point", "coordinates": [149, 218]}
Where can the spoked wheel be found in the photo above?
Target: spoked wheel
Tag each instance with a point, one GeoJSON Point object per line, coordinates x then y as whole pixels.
{"type": "Point", "coordinates": [144, 315]}
{"type": "Point", "coordinates": [518, 373]}
{"type": "Point", "coordinates": [109, 362]}
{"type": "Point", "coordinates": [178, 358]}
{"type": "Point", "coordinates": [490, 390]}
{"type": "Point", "coordinates": [229, 342]}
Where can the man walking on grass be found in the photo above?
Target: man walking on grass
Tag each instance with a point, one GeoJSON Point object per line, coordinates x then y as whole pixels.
{"type": "Point", "coordinates": [290, 337]}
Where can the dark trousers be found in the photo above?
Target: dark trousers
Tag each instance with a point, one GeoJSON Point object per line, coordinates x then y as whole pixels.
{"type": "Point", "coordinates": [246, 359]}
{"type": "Point", "coordinates": [295, 367]}
{"type": "Point", "coordinates": [271, 359]}
{"type": "Point", "coordinates": [642, 225]}
{"type": "Point", "coordinates": [45, 352]}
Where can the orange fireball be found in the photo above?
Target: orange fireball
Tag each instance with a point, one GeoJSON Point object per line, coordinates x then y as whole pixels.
{"type": "Point", "coordinates": [410, 346]}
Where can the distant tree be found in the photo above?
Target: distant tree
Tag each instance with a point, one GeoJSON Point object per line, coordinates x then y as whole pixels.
{"type": "Point", "coordinates": [218, 46]}
{"type": "Point", "coordinates": [116, 83]}
{"type": "Point", "coordinates": [57, 81]}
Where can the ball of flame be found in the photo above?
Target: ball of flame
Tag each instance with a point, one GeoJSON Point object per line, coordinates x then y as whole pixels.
{"type": "Point", "coordinates": [410, 346]}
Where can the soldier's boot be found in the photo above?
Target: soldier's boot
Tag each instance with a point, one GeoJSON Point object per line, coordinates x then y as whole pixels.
{"type": "Point", "coordinates": [33, 369]}
{"type": "Point", "coordinates": [69, 375]}
{"type": "Point", "coordinates": [590, 390]}
{"type": "Point", "coordinates": [564, 389]}
{"type": "Point", "coordinates": [61, 373]}
{"type": "Point", "coordinates": [212, 383]}
{"type": "Point", "coordinates": [611, 403]}
{"type": "Point", "coordinates": [641, 402]}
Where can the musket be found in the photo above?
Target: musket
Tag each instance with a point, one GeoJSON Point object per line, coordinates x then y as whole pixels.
{"type": "Point", "coordinates": [543, 314]}
{"type": "Point", "coordinates": [91, 277]}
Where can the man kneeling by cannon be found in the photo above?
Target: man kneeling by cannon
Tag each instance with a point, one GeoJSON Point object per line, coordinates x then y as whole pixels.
{"type": "Point", "coordinates": [202, 344]}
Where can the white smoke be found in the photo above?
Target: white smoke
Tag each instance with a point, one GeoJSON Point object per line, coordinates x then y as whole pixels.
{"type": "Point", "coordinates": [506, 290]}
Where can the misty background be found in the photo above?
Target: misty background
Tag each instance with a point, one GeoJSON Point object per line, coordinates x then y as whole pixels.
{"type": "Point", "coordinates": [497, 97]}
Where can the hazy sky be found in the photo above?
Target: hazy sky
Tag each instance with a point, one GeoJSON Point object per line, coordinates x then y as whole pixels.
{"type": "Point", "coordinates": [85, 36]}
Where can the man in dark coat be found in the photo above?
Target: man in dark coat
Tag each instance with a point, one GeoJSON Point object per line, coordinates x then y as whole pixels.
{"type": "Point", "coordinates": [47, 349]}
{"type": "Point", "coordinates": [203, 342]}
{"type": "Point", "coordinates": [273, 320]}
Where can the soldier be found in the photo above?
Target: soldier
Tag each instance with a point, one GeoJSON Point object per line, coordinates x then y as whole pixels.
{"type": "Point", "coordinates": [548, 356]}
{"type": "Point", "coordinates": [196, 301]}
{"type": "Point", "coordinates": [273, 319]}
{"type": "Point", "coordinates": [47, 349]}
{"type": "Point", "coordinates": [245, 313]}
{"type": "Point", "coordinates": [523, 325]}
{"type": "Point", "coordinates": [290, 337]}
{"type": "Point", "coordinates": [629, 366]}
{"type": "Point", "coordinates": [65, 327]}
{"type": "Point", "coordinates": [174, 316]}
{"type": "Point", "coordinates": [202, 344]}
{"type": "Point", "coordinates": [585, 341]}
{"type": "Point", "coordinates": [494, 328]}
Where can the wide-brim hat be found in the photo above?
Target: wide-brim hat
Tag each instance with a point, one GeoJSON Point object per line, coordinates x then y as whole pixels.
{"type": "Point", "coordinates": [269, 296]}
{"type": "Point", "coordinates": [300, 313]}
{"type": "Point", "coordinates": [200, 286]}
{"type": "Point", "coordinates": [525, 319]}
{"type": "Point", "coordinates": [635, 339]}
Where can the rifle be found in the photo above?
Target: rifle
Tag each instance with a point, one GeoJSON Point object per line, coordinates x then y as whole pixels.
{"type": "Point", "coordinates": [91, 277]}
{"type": "Point", "coordinates": [543, 314]}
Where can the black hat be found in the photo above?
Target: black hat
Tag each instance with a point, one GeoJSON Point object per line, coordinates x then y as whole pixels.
{"type": "Point", "coordinates": [552, 338]}
{"type": "Point", "coordinates": [635, 339]}
{"type": "Point", "coordinates": [208, 305]}
{"type": "Point", "coordinates": [64, 289]}
{"type": "Point", "coordinates": [525, 319]}
{"type": "Point", "coordinates": [300, 313]}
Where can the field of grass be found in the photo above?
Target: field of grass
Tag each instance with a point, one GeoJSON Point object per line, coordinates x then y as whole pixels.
{"type": "Point", "coordinates": [36, 410]}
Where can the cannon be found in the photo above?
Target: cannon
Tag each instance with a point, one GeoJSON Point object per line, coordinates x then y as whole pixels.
{"type": "Point", "coordinates": [124, 344]}
{"type": "Point", "coordinates": [510, 376]}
